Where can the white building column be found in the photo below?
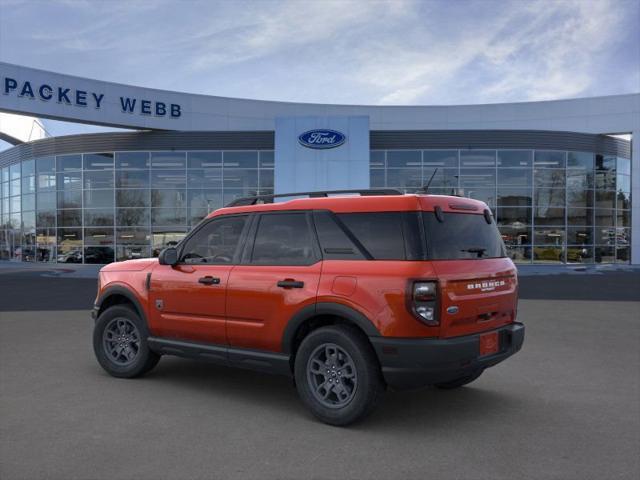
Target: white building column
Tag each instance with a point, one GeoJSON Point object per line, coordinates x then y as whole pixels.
{"type": "Point", "coordinates": [635, 197]}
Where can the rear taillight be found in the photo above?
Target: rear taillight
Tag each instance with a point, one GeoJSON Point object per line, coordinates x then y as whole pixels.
{"type": "Point", "coordinates": [424, 302]}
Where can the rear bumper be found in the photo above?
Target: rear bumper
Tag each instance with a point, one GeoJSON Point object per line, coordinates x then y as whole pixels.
{"type": "Point", "coordinates": [412, 363]}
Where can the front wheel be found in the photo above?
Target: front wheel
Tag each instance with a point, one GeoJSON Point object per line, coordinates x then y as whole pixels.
{"type": "Point", "coordinates": [337, 375]}
{"type": "Point", "coordinates": [120, 343]}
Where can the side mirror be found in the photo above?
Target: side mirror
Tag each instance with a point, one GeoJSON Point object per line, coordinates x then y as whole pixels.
{"type": "Point", "coordinates": [168, 256]}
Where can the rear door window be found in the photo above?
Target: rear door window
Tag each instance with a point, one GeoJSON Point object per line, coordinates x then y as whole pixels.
{"type": "Point", "coordinates": [461, 236]}
{"type": "Point", "coordinates": [283, 239]}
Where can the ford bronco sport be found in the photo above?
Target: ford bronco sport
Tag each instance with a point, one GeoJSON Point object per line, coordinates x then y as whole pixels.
{"type": "Point", "coordinates": [346, 294]}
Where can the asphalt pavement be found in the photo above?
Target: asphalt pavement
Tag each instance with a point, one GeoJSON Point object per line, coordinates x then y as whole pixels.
{"type": "Point", "coordinates": [566, 407]}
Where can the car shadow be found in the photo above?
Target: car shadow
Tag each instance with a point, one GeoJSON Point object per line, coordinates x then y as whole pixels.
{"type": "Point", "coordinates": [399, 410]}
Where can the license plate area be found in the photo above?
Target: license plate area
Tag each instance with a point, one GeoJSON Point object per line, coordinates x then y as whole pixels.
{"type": "Point", "coordinates": [489, 344]}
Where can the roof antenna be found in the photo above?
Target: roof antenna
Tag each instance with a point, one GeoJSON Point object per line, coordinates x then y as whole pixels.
{"type": "Point", "coordinates": [425, 188]}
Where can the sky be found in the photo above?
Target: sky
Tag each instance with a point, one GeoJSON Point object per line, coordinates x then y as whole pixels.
{"type": "Point", "coordinates": [395, 52]}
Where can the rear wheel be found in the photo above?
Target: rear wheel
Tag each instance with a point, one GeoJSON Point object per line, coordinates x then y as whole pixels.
{"type": "Point", "coordinates": [337, 375]}
{"type": "Point", "coordinates": [459, 382]}
{"type": "Point", "coordinates": [120, 343]}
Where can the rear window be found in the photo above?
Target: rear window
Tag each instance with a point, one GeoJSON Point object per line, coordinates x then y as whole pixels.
{"type": "Point", "coordinates": [461, 236]}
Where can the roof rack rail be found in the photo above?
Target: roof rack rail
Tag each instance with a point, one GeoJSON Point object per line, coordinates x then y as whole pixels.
{"type": "Point", "coordinates": [238, 202]}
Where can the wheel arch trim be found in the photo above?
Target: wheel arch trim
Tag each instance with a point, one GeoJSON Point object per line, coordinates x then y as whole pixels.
{"type": "Point", "coordinates": [122, 291]}
{"type": "Point", "coordinates": [325, 308]}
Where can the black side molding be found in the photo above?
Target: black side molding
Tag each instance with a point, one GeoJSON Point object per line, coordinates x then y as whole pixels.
{"type": "Point", "coordinates": [262, 361]}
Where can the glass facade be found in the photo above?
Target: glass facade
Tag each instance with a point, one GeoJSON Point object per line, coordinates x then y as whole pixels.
{"type": "Point", "coordinates": [551, 206]}
{"type": "Point", "coordinates": [106, 206]}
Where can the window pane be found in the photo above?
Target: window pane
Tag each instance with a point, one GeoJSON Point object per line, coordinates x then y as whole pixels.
{"type": "Point", "coordinates": [486, 195]}
{"type": "Point", "coordinates": [283, 239]}
{"type": "Point", "coordinates": [605, 235]}
{"type": "Point", "coordinates": [404, 158]}
{"type": "Point", "coordinates": [205, 178]}
{"type": "Point", "coordinates": [605, 199]}
{"type": "Point", "coordinates": [168, 198]}
{"type": "Point", "coordinates": [168, 179]}
{"type": "Point", "coordinates": [44, 165]}
{"type": "Point", "coordinates": [623, 254]}
{"type": "Point", "coordinates": [132, 198]}
{"type": "Point", "coordinates": [376, 159]}
{"type": "Point", "coordinates": [131, 252]}
{"type": "Point", "coordinates": [69, 162]}
{"type": "Point", "coordinates": [604, 254]}
{"type": "Point", "coordinates": [98, 255]}
{"type": "Point", "coordinates": [235, 178]}
{"type": "Point", "coordinates": [46, 201]}
{"type": "Point", "coordinates": [440, 158]}
{"type": "Point", "coordinates": [404, 177]}
{"type": "Point", "coordinates": [548, 254]}
{"type": "Point", "coordinates": [549, 236]}
{"type": "Point", "coordinates": [70, 199]}
{"type": "Point", "coordinates": [267, 159]}
{"type": "Point", "coordinates": [215, 243]}
{"type": "Point", "coordinates": [605, 163]}
{"type": "Point", "coordinates": [514, 197]}
{"type": "Point", "coordinates": [579, 178]}
{"type": "Point", "coordinates": [133, 236]}
{"type": "Point", "coordinates": [477, 158]}
{"type": "Point", "coordinates": [70, 180]}
{"type": "Point", "coordinates": [70, 218]}
{"type": "Point", "coordinates": [378, 233]}
{"type": "Point", "coordinates": [240, 159]}
{"type": "Point", "coordinates": [624, 218]}
{"type": "Point", "coordinates": [28, 167]}
{"type": "Point", "coordinates": [516, 235]}
{"type": "Point", "coordinates": [204, 159]}
{"type": "Point", "coordinates": [604, 217]}
{"type": "Point", "coordinates": [549, 178]}
{"type": "Point", "coordinates": [376, 178]}
{"type": "Point", "coordinates": [46, 181]}
{"type": "Point", "coordinates": [98, 161]}
{"type": "Point", "coordinates": [132, 178]}
{"type": "Point", "coordinates": [578, 197]}
{"type": "Point", "coordinates": [580, 254]}
{"type": "Point", "coordinates": [98, 236]}
{"type": "Point", "coordinates": [513, 216]}
{"type": "Point", "coordinates": [168, 160]}
{"type": "Point", "coordinates": [584, 160]}
{"type": "Point", "coordinates": [46, 218]}
{"type": "Point", "coordinates": [477, 177]}
{"type": "Point", "coordinates": [334, 243]}
{"type": "Point", "coordinates": [266, 179]}
{"type": "Point", "coordinates": [444, 178]}
{"type": "Point", "coordinates": [98, 217]}
{"type": "Point", "coordinates": [29, 202]}
{"type": "Point", "coordinates": [14, 187]}
{"type": "Point", "coordinates": [547, 197]}
{"type": "Point", "coordinates": [132, 160]}
{"type": "Point", "coordinates": [549, 159]}
{"type": "Point", "coordinates": [623, 183]}
{"type": "Point", "coordinates": [623, 166]}
{"type": "Point", "coordinates": [519, 254]}
{"type": "Point", "coordinates": [208, 200]}
{"type": "Point", "coordinates": [98, 199]}
{"type": "Point", "coordinates": [98, 179]}
{"type": "Point", "coordinates": [580, 235]}
{"type": "Point", "coordinates": [514, 176]}
{"type": "Point", "coordinates": [549, 216]}
{"type": "Point", "coordinates": [579, 216]}
{"type": "Point", "coordinates": [514, 158]}
{"type": "Point", "coordinates": [132, 216]}
{"type": "Point", "coordinates": [165, 237]}
{"type": "Point", "coordinates": [168, 217]}
{"type": "Point", "coordinates": [28, 184]}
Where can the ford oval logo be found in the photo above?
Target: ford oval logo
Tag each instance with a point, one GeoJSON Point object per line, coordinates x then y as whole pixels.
{"type": "Point", "coordinates": [322, 138]}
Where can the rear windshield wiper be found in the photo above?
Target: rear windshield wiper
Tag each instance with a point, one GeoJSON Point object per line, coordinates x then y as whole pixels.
{"type": "Point", "coordinates": [480, 251]}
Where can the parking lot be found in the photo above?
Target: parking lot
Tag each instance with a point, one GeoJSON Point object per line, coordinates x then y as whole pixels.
{"type": "Point", "coordinates": [566, 407]}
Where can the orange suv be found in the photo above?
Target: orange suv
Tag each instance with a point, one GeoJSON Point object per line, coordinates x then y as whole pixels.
{"type": "Point", "coordinates": [347, 294]}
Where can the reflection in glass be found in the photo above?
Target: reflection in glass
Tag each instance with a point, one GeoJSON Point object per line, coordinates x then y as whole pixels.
{"type": "Point", "coordinates": [68, 162]}
{"type": "Point", "coordinates": [477, 158]}
{"type": "Point", "coordinates": [514, 197]}
{"type": "Point", "coordinates": [404, 159]}
{"type": "Point", "coordinates": [132, 198]}
{"type": "Point", "coordinates": [549, 159]}
{"type": "Point", "coordinates": [240, 159]}
{"type": "Point", "coordinates": [515, 158]}
{"type": "Point", "coordinates": [97, 161]}
{"type": "Point", "coordinates": [168, 160]}
{"type": "Point", "coordinates": [132, 160]}
{"type": "Point", "coordinates": [477, 177]}
{"type": "Point", "coordinates": [440, 158]}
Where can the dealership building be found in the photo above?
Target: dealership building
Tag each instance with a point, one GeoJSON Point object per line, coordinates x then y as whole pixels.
{"type": "Point", "coordinates": [561, 177]}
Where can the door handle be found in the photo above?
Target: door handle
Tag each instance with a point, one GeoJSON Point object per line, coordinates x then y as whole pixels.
{"type": "Point", "coordinates": [209, 280]}
{"type": "Point", "coordinates": [289, 283]}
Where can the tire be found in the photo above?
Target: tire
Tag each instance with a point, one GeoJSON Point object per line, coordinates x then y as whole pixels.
{"type": "Point", "coordinates": [459, 382]}
{"type": "Point", "coordinates": [339, 354]}
{"type": "Point", "coordinates": [131, 358]}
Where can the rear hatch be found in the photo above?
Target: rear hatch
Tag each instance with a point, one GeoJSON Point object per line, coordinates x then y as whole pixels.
{"type": "Point", "coordinates": [477, 282]}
